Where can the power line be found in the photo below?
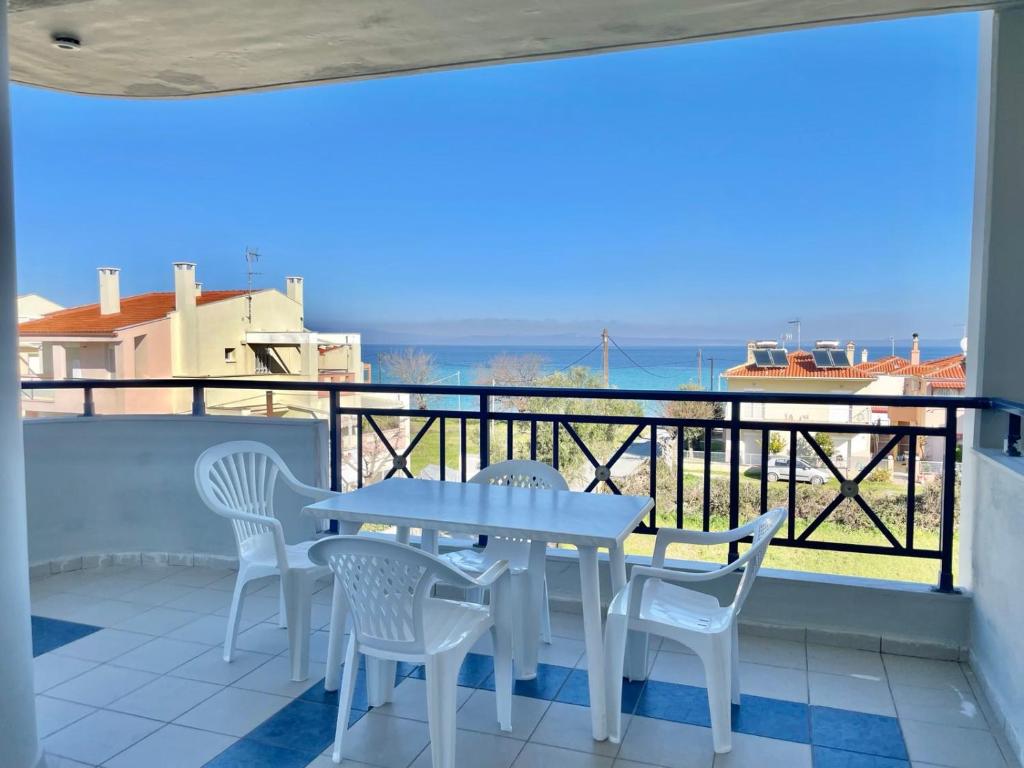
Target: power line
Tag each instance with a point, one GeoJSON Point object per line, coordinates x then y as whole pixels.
{"type": "Point", "coordinates": [635, 363]}
{"type": "Point", "coordinates": [581, 358]}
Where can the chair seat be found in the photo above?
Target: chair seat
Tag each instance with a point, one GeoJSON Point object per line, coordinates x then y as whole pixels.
{"type": "Point", "coordinates": [298, 558]}
{"type": "Point", "coordinates": [476, 561]}
{"type": "Point", "coordinates": [675, 607]}
{"type": "Point", "coordinates": [448, 623]}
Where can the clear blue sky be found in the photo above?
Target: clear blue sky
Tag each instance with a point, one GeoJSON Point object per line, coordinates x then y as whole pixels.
{"type": "Point", "coordinates": [705, 191]}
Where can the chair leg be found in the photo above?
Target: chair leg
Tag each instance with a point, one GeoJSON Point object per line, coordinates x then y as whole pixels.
{"type": "Point", "coordinates": [615, 633]}
{"type": "Point", "coordinates": [282, 611]}
{"type": "Point", "coordinates": [380, 681]}
{"type": "Point", "coordinates": [234, 613]}
{"type": "Point", "coordinates": [442, 683]}
{"type": "Point", "coordinates": [545, 616]}
{"type": "Point", "coordinates": [637, 647]}
{"type": "Point", "coordinates": [735, 659]}
{"type": "Point", "coordinates": [718, 673]}
{"type": "Point", "coordinates": [339, 613]}
{"type": "Point", "coordinates": [348, 686]}
{"type": "Point", "coordinates": [298, 602]}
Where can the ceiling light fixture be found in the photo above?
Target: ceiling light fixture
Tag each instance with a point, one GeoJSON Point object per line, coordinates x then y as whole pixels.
{"type": "Point", "coordinates": [66, 42]}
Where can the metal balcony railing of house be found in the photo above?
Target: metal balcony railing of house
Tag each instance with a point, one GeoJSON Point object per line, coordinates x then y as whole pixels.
{"type": "Point", "coordinates": [548, 433]}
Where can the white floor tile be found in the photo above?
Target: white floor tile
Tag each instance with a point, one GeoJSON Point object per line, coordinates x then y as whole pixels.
{"type": "Point", "coordinates": [410, 700]}
{"type": "Point", "coordinates": [845, 661]}
{"type": "Point", "coordinates": [847, 692]}
{"type": "Point", "coordinates": [569, 726]}
{"type": "Point", "coordinates": [756, 752]}
{"type": "Point", "coordinates": [264, 638]}
{"type": "Point", "coordinates": [202, 601]}
{"type": "Point", "coordinates": [173, 746]}
{"type": "Point", "coordinates": [60, 605]}
{"type": "Point", "coordinates": [567, 625]}
{"type": "Point", "coordinates": [106, 613]}
{"type": "Point", "coordinates": [56, 761]}
{"type": "Point", "coordinates": [480, 750]}
{"type": "Point", "coordinates": [209, 630]}
{"type": "Point", "coordinates": [563, 652]}
{"type": "Point", "coordinates": [52, 669]}
{"type": "Point", "coordinates": [166, 698]}
{"type": "Point", "coordinates": [783, 683]}
{"type": "Point", "coordinates": [210, 667]}
{"type": "Point", "coordinates": [776, 653]}
{"type": "Point", "coordinates": [104, 645]}
{"type": "Point", "coordinates": [255, 608]}
{"type": "Point", "coordinates": [673, 745]}
{"type": "Point", "coordinates": [945, 706]}
{"type": "Point", "coordinates": [160, 655]}
{"type": "Point", "coordinates": [389, 742]}
{"type": "Point", "coordinates": [157, 593]}
{"type": "Point", "coordinates": [112, 587]}
{"type": "Point", "coordinates": [233, 711]}
{"type": "Point", "coordinates": [158, 621]}
{"type": "Point", "coordinates": [630, 764]}
{"type": "Point", "coordinates": [544, 756]}
{"type": "Point", "coordinates": [99, 736]}
{"type": "Point", "coordinates": [924, 673]}
{"type": "Point", "coordinates": [197, 576]}
{"type": "Point", "coordinates": [953, 747]}
{"type": "Point", "coordinates": [276, 677]}
{"type": "Point", "coordinates": [102, 685]}
{"type": "Point", "coordinates": [480, 713]}
{"type": "Point", "coordinates": [682, 668]}
{"type": "Point", "coordinates": [54, 714]}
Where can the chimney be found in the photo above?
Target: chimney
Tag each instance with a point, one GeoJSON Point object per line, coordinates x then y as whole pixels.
{"type": "Point", "coordinates": [184, 285]}
{"type": "Point", "coordinates": [293, 289]}
{"type": "Point", "coordinates": [915, 351]}
{"type": "Point", "coordinates": [750, 352]}
{"type": "Point", "coordinates": [110, 290]}
{"type": "Point", "coordinates": [185, 324]}
{"type": "Point", "coordinates": [864, 355]}
{"type": "Point", "coordinates": [199, 290]}
{"type": "Point", "coordinates": [851, 352]}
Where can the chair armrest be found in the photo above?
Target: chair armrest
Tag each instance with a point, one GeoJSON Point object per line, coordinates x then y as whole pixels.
{"type": "Point", "coordinates": [667, 536]}
{"type": "Point", "coordinates": [492, 574]}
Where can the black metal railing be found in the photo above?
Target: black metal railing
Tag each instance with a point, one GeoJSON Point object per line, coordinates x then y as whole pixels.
{"type": "Point", "coordinates": [598, 474]}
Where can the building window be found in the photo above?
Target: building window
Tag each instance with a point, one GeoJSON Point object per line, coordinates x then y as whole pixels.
{"type": "Point", "coordinates": [229, 354]}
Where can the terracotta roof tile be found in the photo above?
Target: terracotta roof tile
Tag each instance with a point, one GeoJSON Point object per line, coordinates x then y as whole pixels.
{"type": "Point", "coordinates": [886, 364]}
{"type": "Point", "coordinates": [801, 366]}
{"type": "Point", "coordinates": [86, 320]}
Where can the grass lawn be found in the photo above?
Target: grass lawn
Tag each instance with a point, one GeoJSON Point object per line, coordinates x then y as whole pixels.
{"type": "Point", "coordinates": [789, 558]}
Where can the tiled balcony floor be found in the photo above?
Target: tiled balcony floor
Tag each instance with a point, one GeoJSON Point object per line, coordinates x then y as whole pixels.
{"type": "Point", "coordinates": [149, 689]}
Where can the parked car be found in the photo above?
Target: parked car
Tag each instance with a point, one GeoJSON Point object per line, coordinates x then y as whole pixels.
{"type": "Point", "coordinates": [778, 469]}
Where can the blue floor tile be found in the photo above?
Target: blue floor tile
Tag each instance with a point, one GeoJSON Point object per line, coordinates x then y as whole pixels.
{"type": "Point", "coordinates": [824, 757]}
{"type": "Point", "coordinates": [775, 719]}
{"type": "Point", "coordinates": [671, 701]}
{"type": "Point", "coordinates": [857, 732]}
{"type": "Point", "coordinates": [253, 754]}
{"type": "Point", "coordinates": [476, 668]}
{"type": "Point", "coordinates": [546, 685]}
{"type": "Point", "coordinates": [577, 691]}
{"type": "Point", "coordinates": [48, 634]}
{"type": "Point", "coordinates": [301, 726]}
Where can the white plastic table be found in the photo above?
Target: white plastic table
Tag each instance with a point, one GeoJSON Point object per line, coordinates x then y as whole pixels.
{"type": "Point", "coordinates": [586, 521]}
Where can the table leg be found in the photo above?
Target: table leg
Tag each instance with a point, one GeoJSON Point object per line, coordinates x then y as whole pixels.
{"type": "Point", "coordinates": [428, 540]}
{"type": "Point", "coordinates": [402, 534]}
{"type": "Point", "coordinates": [590, 588]}
{"type": "Point", "coordinates": [526, 637]}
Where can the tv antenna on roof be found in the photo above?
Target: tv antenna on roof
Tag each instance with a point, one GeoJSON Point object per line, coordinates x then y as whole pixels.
{"type": "Point", "coordinates": [252, 257]}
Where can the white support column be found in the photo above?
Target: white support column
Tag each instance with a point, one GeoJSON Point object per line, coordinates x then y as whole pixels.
{"type": "Point", "coordinates": [17, 701]}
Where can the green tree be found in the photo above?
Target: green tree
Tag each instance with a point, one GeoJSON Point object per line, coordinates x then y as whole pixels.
{"type": "Point", "coordinates": [824, 440]}
{"type": "Point", "coordinates": [692, 409]}
{"type": "Point", "coordinates": [776, 443]}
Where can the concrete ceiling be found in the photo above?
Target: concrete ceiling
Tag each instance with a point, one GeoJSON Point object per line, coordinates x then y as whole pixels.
{"type": "Point", "coordinates": [176, 48]}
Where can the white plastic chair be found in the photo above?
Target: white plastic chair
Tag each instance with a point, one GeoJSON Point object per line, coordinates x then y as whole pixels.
{"type": "Point", "coordinates": [519, 474]}
{"type": "Point", "coordinates": [387, 587]}
{"type": "Point", "coordinates": [237, 481]}
{"type": "Point", "coordinates": [651, 602]}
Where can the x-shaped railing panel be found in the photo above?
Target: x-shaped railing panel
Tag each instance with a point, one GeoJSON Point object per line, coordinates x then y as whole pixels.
{"type": "Point", "coordinates": [400, 461]}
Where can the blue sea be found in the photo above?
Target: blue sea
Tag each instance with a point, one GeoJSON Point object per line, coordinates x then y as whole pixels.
{"type": "Point", "coordinates": [636, 367]}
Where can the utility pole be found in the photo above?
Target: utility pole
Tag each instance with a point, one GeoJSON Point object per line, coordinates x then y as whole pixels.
{"type": "Point", "coordinates": [379, 368]}
{"type": "Point", "coordinates": [604, 354]}
{"type": "Point", "coordinates": [252, 256]}
{"type": "Point", "coordinates": [892, 342]}
{"type": "Point", "coordinates": [700, 367]}
{"type": "Point", "coordinates": [712, 380]}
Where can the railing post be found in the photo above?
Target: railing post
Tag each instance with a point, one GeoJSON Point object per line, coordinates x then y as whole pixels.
{"type": "Point", "coordinates": [1012, 435]}
{"type": "Point", "coordinates": [333, 449]}
{"type": "Point", "coordinates": [88, 407]}
{"type": "Point", "coordinates": [734, 476]}
{"type": "Point", "coordinates": [198, 401]}
{"type": "Point", "coordinates": [948, 503]}
{"type": "Point", "coordinates": [485, 444]}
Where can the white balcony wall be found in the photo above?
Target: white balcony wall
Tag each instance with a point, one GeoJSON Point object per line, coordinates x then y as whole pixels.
{"type": "Point", "coordinates": [992, 526]}
{"type": "Point", "coordinates": [115, 484]}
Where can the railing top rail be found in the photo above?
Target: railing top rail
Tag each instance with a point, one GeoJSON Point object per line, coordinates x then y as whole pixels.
{"type": "Point", "coordinates": [910, 401]}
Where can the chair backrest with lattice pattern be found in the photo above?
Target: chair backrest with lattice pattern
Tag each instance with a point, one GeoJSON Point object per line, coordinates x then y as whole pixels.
{"type": "Point", "coordinates": [518, 473]}
{"type": "Point", "coordinates": [767, 525]}
{"type": "Point", "coordinates": [386, 585]}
